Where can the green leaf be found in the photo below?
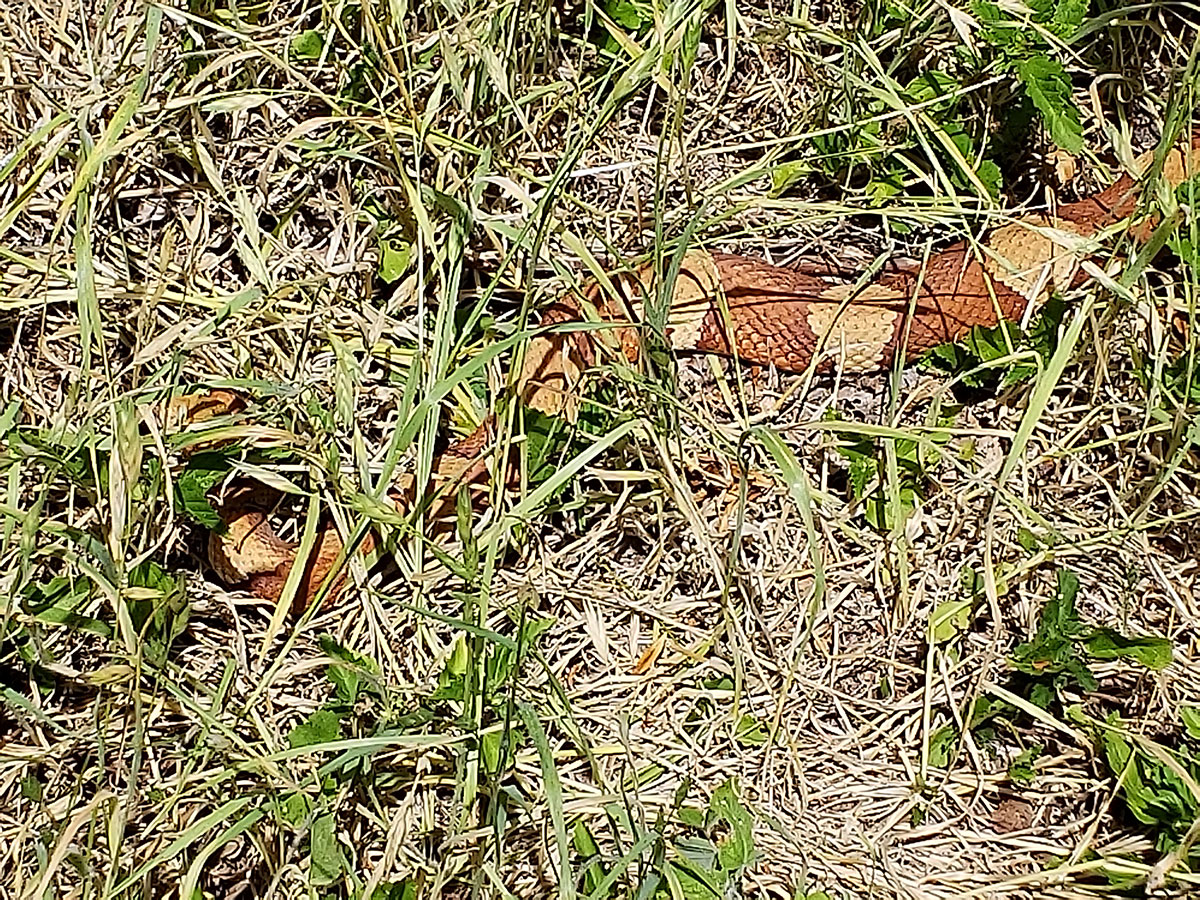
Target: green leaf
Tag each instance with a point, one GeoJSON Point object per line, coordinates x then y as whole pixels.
{"type": "Point", "coordinates": [350, 672]}
{"type": "Point", "coordinates": [949, 619]}
{"type": "Point", "coordinates": [942, 743]}
{"type": "Point", "coordinates": [1153, 791]}
{"type": "Point", "coordinates": [551, 789]}
{"type": "Point", "coordinates": [863, 468]}
{"type": "Point", "coordinates": [784, 175]}
{"type": "Point", "coordinates": [8, 418]}
{"type": "Point", "coordinates": [308, 44]}
{"type": "Point", "coordinates": [1152, 652]}
{"type": "Point", "coordinates": [881, 514]}
{"type": "Point", "coordinates": [203, 472]}
{"type": "Point", "coordinates": [749, 731]}
{"type": "Point", "coordinates": [691, 43]}
{"type": "Point", "coordinates": [931, 85]}
{"type": "Point", "coordinates": [346, 682]}
{"type": "Point", "coordinates": [989, 173]}
{"type": "Point", "coordinates": [631, 16]}
{"type": "Point", "coordinates": [1041, 695]}
{"type": "Point", "coordinates": [533, 629]}
{"type": "Point", "coordinates": [583, 841]}
{"type": "Point", "coordinates": [987, 12]}
{"type": "Point", "coordinates": [393, 260]}
{"type": "Point", "coordinates": [1047, 85]}
{"type": "Point", "coordinates": [1061, 619]}
{"type": "Point", "coordinates": [56, 601]}
{"type": "Point", "coordinates": [692, 887]}
{"type": "Point", "coordinates": [691, 816]}
{"type": "Point", "coordinates": [951, 355]}
{"type": "Point", "coordinates": [737, 849]}
{"type": "Point", "coordinates": [325, 855]}
{"type": "Point", "coordinates": [162, 618]}
{"type": "Point", "coordinates": [1041, 9]}
{"type": "Point", "coordinates": [489, 747]}
{"type": "Point", "coordinates": [998, 28]}
{"type": "Point", "coordinates": [887, 185]}
{"type": "Point", "coordinates": [449, 686]}
{"type": "Point", "coordinates": [1062, 641]}
{"type": "Point", "coordinates": [988, 709]}
{"type": "Point", "coordinates": [1191, 721]}
{"type": "Point", "coordinates": [1027, 539]}
{"type": "Point", "coordinates": [1059, 623]}
{"type": "Point", "coordinates": [544, 435]}
{"type": "Point", "coordinates": [1068, 16]}
{"type": "Point", "coordinates": [321, 727]}
{"type": "Point", "coordinates": [971, 580]}
{"type": "Point", "coordinates": [296, 807]}
{"type": "Point", "coordinates": [1185, 250]}
{"type": "Point", "coordinates": [460, 657]}
{"type": "Point", "coordinates": [587, 848]}
{"type": "Point", "coordinates": [1021, 770]}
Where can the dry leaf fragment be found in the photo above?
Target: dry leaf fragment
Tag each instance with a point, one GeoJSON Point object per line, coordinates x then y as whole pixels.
{"type": "Point", "coordinates": [649, 656]}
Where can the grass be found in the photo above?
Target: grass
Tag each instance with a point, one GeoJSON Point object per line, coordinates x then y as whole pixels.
{"type": "Point", "coordinates": [738, 633]}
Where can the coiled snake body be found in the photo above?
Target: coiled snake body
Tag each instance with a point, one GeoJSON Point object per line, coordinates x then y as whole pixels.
{"type": "Point", "coordinates": [745, 308]}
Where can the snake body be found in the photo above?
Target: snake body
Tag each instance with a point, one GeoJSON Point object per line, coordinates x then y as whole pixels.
{"type": "Point", "coordinates": [791, 319]}
{"type": "Point", "coordinates": [249, 552]}
{"type": "Point", "coordinates": [758, 313]}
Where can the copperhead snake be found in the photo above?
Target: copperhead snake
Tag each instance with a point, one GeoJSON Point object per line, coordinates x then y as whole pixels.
{"type": "Point", "coordinates": [741, 307]}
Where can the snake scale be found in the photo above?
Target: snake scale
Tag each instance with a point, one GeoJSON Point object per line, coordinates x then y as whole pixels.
{"type": "Point", "coordinates": [742, 307]}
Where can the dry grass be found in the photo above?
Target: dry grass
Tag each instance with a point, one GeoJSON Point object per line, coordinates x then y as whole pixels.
{"type": "Point", "coordinates": [205, 197]}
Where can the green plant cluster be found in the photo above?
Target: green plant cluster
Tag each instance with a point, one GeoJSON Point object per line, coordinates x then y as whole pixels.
{"type": "Point", "coordinates": [869, 485]}
{"type": "Point", "coordinates": [1023, 45]}
{"type": "Point", "coordinates": [1058, 655]}
{"type": "Point", "coordinates": [694, 853]}
{"type": "Point", "coordinates": [1158, 784]}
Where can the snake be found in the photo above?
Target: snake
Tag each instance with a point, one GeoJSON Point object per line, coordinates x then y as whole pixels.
{"type": "Point", "coordinates": [735, 306]}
